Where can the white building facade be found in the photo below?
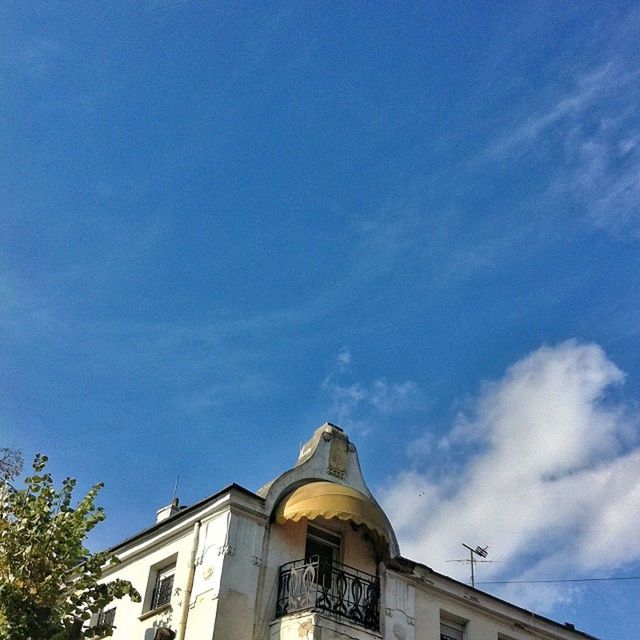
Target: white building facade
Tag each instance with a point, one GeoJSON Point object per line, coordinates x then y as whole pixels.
{"type": "Point", "coordinates": [309, 556]}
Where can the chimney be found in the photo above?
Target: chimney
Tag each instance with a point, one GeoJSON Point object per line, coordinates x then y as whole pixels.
{"type": "Point", "coordinates": [164, 513]}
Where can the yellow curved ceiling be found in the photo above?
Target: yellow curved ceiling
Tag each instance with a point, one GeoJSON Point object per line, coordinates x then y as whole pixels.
{"type": "Point", "coordinates": [330, 500]}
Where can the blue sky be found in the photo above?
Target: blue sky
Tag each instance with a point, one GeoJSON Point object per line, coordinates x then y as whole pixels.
{"type": "Point", "coordinates": [222, 224]}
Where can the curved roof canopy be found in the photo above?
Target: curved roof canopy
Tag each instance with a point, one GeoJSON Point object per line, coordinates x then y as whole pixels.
{"type": "Point", "coordinates": [331, 500]}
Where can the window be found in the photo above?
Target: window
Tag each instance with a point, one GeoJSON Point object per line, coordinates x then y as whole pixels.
{"type": "Point", "coordinates": [106, 617]}
{"type": "Point", "coordinates": [163, 587]}
{"type": "Point", "coordinates": [323, 547]}
{"type": "Point", "coordinates": [451, 630]}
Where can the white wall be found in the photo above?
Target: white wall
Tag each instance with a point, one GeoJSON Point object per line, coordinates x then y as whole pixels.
{"type": "Point", "coordinates": [140, 571]}
{"type": "Point", "coordinates": [485, 618]}
{"type": "Point", "coordinates": [139, 564]}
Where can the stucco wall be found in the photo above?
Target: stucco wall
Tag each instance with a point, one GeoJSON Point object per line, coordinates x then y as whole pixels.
{"type": "Point", "coordinates": [314, 626]}
{"type": "Point", "coordinates": [426, 604]}
{"type": "Point", "coordinates": [140, 572]}
{"type": "Point", "coordinates": [140, 564]}
{"type": "Point", "coordinates": [240, 577]}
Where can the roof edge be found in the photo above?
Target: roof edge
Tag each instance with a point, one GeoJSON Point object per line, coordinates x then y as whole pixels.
{"type": "Point", "coordinates": [408, 566]}
{"type": "Point", "coordinates": [185, 513]}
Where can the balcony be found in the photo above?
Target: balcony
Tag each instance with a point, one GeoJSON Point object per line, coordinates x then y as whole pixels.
{"type": "Point", "coordinates": [331, 588]}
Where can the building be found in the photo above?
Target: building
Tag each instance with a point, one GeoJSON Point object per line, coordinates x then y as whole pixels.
{"type": "Point", "coordinates": [310, 556]}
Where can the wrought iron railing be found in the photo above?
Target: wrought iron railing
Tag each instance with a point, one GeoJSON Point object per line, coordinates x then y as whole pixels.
{"type": "Point", "coordinates": [331, 588]}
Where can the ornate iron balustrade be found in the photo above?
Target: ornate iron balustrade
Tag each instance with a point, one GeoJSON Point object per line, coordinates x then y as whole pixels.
{"type": "Point", "coordinates": [331, 588]}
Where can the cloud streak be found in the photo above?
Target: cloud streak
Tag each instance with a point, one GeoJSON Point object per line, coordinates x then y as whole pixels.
{"type": "Point", "coordinates": [589, 88]}
{"type": "Point", "coordinates": [544, 469]}
{"type": "Point", "coordinates": [590, 136]}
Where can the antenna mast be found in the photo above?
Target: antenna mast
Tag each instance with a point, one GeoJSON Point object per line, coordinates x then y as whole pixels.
{"type": "Point", "coordinates": [175, 489]}
{"type": "Point", "coordinates": [478, 551]}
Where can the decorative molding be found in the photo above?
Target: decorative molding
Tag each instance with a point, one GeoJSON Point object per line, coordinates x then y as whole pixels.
{"type": "Point", "coordinates": [207, 573]}
{"type": "Point", "coordinates": [226, 550]}
{"type": "Point", "coordinates": [338, 455]}
{"type": "Point", "coordinates": [257, 560]}
{"type": "Point", "coordinates": [411, 621]}
{"type": "Point", "coordinates": [337, 473]}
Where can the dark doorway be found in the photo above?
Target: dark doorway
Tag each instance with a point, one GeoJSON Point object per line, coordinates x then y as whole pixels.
{"type": "Point", "coordinates": [324, 548]}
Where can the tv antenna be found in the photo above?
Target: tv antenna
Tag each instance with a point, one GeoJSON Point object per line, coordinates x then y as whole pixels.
{"type": "Point", "coordinates": [175, 490]}
{"type": "Point", "coordinates": [478, 551]}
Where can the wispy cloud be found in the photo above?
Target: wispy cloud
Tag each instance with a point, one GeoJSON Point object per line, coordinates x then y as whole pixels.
{"type": "Point", "coordinates": [603, 173]}
{"type": "Point", "coordinates": [570, 105]}
{"type": "Point", "coordinates": [589, 136]}
{"type": "Point", "coordinates": [343, 359]}
{"type": "Point", "coordinates": [414, 242]}
{"type": "Point", "coordinates": [544, 468]}
{"type": "Point", "coordinates": [357, 404]}
{"type": "Point", "coordinates": [243, 386]}
{"type": "Point", "coordinates": [384, 238]}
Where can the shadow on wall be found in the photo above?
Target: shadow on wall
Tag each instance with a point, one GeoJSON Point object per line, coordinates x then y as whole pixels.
{"type": "Point", "coordinates": [160, 630]}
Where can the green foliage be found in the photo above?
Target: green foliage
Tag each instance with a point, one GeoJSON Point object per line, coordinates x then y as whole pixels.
{"type": "Point", "coordinates": [48, 579]}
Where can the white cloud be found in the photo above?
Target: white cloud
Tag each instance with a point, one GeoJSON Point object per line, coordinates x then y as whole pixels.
{"type": "Point", "coordinates": [354, 403]}
{"type": "Point", "coordinates": [549, 478]}
{"type": "Point", "coordinates": [344, 359]}
{"type": "Point", "coordinates": [388, 397]}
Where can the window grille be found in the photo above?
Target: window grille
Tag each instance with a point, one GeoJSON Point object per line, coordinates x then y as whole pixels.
{"type": "Point", "coordinates": [163, 587]}
{"type": "Point", "coordinates": [106, 618]}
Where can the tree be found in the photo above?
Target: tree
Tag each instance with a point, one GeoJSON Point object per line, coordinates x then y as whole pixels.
{"type": "Point", "coordinates": [49, 586]}
{"type": "Point", "coordinates": [10, 463]}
